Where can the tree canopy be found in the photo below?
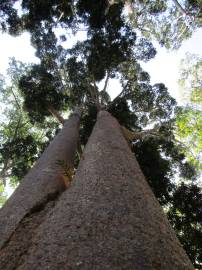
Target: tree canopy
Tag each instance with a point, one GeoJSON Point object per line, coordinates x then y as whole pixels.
{"type": "Point", "coordinates": [169, 22]}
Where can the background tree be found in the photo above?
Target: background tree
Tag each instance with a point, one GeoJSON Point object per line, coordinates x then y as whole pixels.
{"type": "Point", "coordinates": [21, 141]}
{"type": "Point", "coordinates": [190, 81]}
{"type": "Point", "coordinates": [189, 117]}
{"type": "Point", "coordinates": [168, 22]}
{"type": "Point", "coordinates": [188, 131]}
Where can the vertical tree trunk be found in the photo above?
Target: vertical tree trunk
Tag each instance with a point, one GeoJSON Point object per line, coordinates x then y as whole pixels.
{"type": "Point", "coordinates": [44, 181]}
{"type": "Point", "coordinates": [109, 219]}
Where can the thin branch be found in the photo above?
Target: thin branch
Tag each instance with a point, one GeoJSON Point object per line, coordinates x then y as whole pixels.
{"type": "Point", "coordinates": [144, 30]}
{"type": "Point", "coordinates": [92, 94]}
{"type": "Point", "coordinates": [94, 83]}
{"type": "Point", "coordinates": [131, 135]}
{"type": "Point", "coordinates": [117, 97]}
{"type": "Point", "coordinates": [96, 95]}
{"type": "Point", "coordinates": [17, 127]}
{"type": "Point", "coordinates": [183, 10]}
{"type": "Point", "coordinates": [106, 82]}
{"type": "Point", "coordinates": [61, 15]}
{"type": "Point", "coordinates": [24, 124]}
{"type": "Point", "coordinates": [110, 3]}
{"type": "Point", "coordinates": [105, 87]}
{"type": "Point", "coordinates": [16, 100]}
{"type": "Point", "coordinates": [180, 7]}
{"type": "Point", "coordinates": [183, 145]}
{"type": "Point", "coordinates": [56, 114]}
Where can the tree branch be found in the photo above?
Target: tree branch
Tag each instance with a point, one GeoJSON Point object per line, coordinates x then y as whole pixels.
{"type": "Point", "coordinates": [183, 145]}
{"type": "Point", "coordinates": [130, 135]}
{"type": "Point", "coordinates": [180, 7]}
{"type": "Point", "coordinates": [183, 10]}
{"type": "Point", "coordinates": [16, 100]}
{"type": "Point", "coordinates": [105, 87]}
{"type": "Point", "coordinates": [106, 82]}
{"type": "Point", "coordinates": [116, 98]}
{"type": "Point", "coordinates": [93, 94]}
{"type": "Point", "coordinates": [121, 93]}
{"type": "Point", "coordinates": [56, 114]}
{"type": "Point", "coordinates": [96, 95]}
{"type": "Point", "coordinates": [17, 127]}
{"type": "Point", "coordinates": [6, 166]}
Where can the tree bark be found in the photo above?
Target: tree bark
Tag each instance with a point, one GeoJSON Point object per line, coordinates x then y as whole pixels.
{"type": "Point", "coordinates": [109, 219]}
{"type": "Point", "coordinates": [43, 183]}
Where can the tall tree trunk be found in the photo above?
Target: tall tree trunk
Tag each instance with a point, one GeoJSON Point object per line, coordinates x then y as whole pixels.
{"type": "Point", "coordinates": [108, 219]}
{"type": "Point", "coordinates": [43, 183]}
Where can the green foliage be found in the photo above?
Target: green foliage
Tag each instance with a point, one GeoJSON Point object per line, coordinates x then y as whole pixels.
{"type": "Point", "coordinates": [46, 10]}
{"type": "Point", "coordinates": [169, 22]}
{"type": "Point", "coordinates": [40, 90]}
{"type": "Point", "coordinates": [189, 131]}
{"type": "Point", "coordinates": [189, 117]}
{"type": "Point", "coordinates": [21, 143]}
{"type": "Point", "coordinates": [186, 216]}
{"type": "Point", "coordinates": [9, 20]}
{"type": "Point", "coordinates": [156, 168]}
{"type": "Point", "coordinates": [121, 110]}
{"type": "Point", "coordinates": [2, 195]}
{"type": "Point", "coordinates": [34, 13]}
{"type": "Point", "coordinates": [190, 81]}
{"type": "Point", "coordinates": [93, 13]}
{"type": "Point", "coordinates": [185, 213]}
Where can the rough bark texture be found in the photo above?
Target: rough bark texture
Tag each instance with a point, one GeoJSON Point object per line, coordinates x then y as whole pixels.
{"type": "Point", "coordinates": [14, 251]}
{"type": "Point", "coordinates": [108, 220]}
{"type": "Point", "coordinates": [43, 183]}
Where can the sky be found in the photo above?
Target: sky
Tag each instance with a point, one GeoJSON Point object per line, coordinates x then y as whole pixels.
{"type": "Point", "coordinates": [18, 47]}
{"type": "Point", "coordinates": [166, 65]}
{"type": "Point", "coordinates": [163, 68]}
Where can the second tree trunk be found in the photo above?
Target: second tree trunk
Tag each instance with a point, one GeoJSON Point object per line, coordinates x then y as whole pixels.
{"type": "Point", "coordinates": [44, 181]}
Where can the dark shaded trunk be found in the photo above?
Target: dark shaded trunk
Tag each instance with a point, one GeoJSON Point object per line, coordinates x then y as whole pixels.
{"type": "Point", "coordinates": [43, 183]}
{"type": "Point", "coordinates": [108, 219]}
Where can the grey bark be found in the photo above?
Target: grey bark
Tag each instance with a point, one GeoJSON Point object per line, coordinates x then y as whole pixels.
{"type": "Point", "coordinates": [44, 181]}
{"type": "Point", "coordinates": [109, 219]}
